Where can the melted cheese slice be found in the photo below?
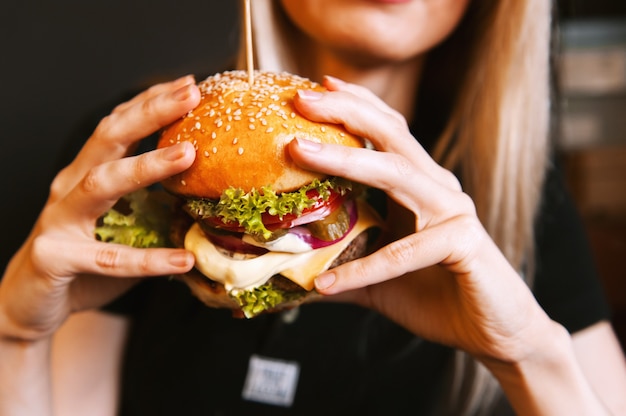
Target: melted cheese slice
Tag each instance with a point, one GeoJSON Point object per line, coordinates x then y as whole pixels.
{"type": "Point", "coordinates": [300, 268]}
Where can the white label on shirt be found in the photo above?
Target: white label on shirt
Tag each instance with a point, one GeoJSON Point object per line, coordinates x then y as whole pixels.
{"type": "Point", "coordinates": [271, 381]}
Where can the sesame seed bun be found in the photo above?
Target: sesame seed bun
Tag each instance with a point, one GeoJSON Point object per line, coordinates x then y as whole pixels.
{"type": "Point", "coordinates": [240, 133]}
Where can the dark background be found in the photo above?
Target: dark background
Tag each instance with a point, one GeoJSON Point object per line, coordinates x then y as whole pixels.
{"type": "Point", "coordinates": [66, 62]}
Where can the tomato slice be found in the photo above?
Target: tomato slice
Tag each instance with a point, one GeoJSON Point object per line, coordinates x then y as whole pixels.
{"type": "Point", "coordinates": [319, 210]}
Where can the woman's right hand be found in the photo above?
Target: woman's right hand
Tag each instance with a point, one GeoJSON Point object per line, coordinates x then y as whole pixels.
{"type": "Point", "coordinates": [61, 268]}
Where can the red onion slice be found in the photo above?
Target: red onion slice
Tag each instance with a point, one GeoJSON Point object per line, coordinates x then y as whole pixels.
{"type": "Point", "coordinates": [305, 235]}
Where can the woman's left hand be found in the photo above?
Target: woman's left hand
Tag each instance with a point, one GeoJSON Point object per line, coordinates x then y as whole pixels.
{"type": "Point", "coordinates": [472, 298]}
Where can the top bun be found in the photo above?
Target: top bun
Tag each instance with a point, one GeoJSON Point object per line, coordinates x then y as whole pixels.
{"type": "Point", "coordinates": [240, 133]}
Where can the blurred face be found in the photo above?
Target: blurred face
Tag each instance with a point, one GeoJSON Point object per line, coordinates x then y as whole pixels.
{"type": "Point", "coordinates": [371, 31]}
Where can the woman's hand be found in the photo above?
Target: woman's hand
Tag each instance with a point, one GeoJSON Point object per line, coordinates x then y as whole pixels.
{"type": "Point", "coordinates": [472, 299]}
{"type": "Point", "coordinates": [61, 268]}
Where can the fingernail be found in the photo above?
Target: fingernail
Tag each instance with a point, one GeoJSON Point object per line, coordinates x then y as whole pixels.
{"type": "Point", "coordinates": [324, 281]}
{"type": "Point", "coordinates": [334, 80]}
{"type": "Point", "coordinates": [308, 145]}
{"type": "Point", "coordinates": [180, 259]}
{"type": "Point", "coordinates": [182, 93]}
{"type": "Point", "coordinates": [174, 152]}
{"type": "Point", "coordinates": [310, 94]}
{"type": "Point", "coordinates": [187, 79]}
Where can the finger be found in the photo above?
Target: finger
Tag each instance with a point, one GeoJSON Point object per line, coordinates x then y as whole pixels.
{"type": "Point", "coordinates": [121, 129]}
{"type": "Point", "coordinates": [359, 116]}
{"type": "Point", "coordinates": [335, 84]}
{"type": "Point", "coordinates": [452, 244]}
{"type": "Point", "coordinates": [409, 186]}
{"type": "Point", "coordinates": [362, 115]}
{"type": "Point", "coordinates": [76, 257]}
{"type": "Point", "coordinates": [103, 185]}
{"type": "Point", "coordinates": [119, 132]}
{"type": "Point", "coordinates": [386, 171]}
{"type": "Point", "coordinates": [155, 90]}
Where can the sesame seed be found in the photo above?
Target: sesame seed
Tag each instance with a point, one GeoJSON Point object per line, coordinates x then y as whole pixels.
{"type": "Point", "coordinates": [235, 140]}
{"type": "Point", "coordinates": [251, 127]}
{"type": "Point", "coordinates": [198, 125]}
{"type": "Point", "coordinates": [183, 183]}
{"type": "Point", "coordinates": [240, 150]}
{"type": "Point", "coordinates": [323, 129]}
{"type": "Point", "coordinates": [206, 153]}
{"type": "Point", "coordinates": [214, 135]}
{"type": "Point", "coordinates": [214, 149]}
{"type": "Point", "coordinates": [269, 129]}
{"type": "Point", "coordinates": [228, 127]}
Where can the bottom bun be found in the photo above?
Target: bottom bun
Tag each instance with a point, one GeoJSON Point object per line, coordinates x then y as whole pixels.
{"type": "Point", "coordinates": [210, 293]}
{"type": "Point", "coordinates": [214, 295]}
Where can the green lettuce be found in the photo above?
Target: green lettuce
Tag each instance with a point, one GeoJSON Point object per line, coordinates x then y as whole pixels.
{"type": "Point", "coordinates": [139, 219]}
{"type": "Point", "coordinates": [247, 208]}
{"type": "Point", "coordinates": [262, 298]}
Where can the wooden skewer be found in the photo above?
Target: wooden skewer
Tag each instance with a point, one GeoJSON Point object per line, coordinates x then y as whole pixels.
{"type": "Point", "coordinates": [249, 46]}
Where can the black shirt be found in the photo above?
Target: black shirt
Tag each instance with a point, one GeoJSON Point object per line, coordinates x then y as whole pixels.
{"type": "Point", "coordinates": [184, 358]}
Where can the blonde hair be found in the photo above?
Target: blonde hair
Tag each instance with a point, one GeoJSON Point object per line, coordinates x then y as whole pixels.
{"type": "Point", "coordinates": [495, 93]}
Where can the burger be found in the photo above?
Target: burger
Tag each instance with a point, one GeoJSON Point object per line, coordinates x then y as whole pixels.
{"type": "Point", "coordinates": [260, 227]}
